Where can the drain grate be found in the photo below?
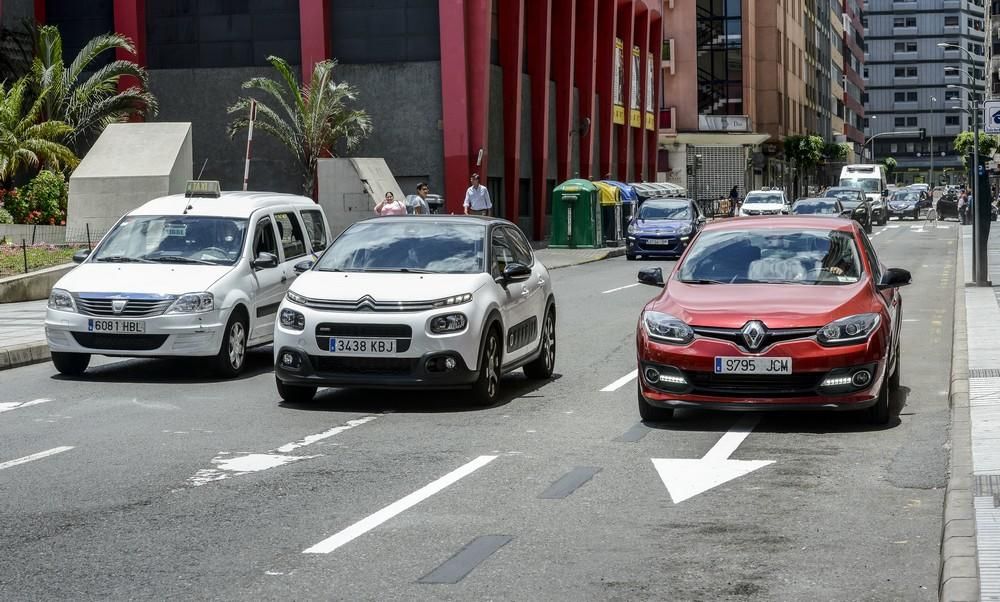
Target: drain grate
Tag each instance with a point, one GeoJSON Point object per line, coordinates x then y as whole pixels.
{"type": "Point", "coordinates": [985, 373]}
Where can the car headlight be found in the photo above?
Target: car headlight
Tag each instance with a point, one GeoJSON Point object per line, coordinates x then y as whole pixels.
{"type": "Point", "coordinates": [193, 303]}
{"type": "Point", "coordinates": [667, 328]}
{"type": "Point", "coordinates": [297, 299]}
{"type": "Point", "coordinates": [631, 229]}
{"type": "Point", "coordinates": [686, 229]}
{"type": "Point", "coordinates": [292, 319]}
{"type": "Point", "coordinates": [448, 323]}
{"type": "Point", "coordinates": [456, 300]}
{"type": "Point", "coordinates": [61, 300]}
{"type": "Point", "coordinates": [852, 329]}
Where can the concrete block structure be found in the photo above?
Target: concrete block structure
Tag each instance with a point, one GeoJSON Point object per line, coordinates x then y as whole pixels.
{"type": "Point", "coordinates": [130, 163]}
{"type": "Point", "coordinates": [350, 188]}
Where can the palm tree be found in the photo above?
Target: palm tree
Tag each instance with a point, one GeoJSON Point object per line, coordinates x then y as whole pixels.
{"type": "Point", "coordinates": [310, 121]}
{"type": "Point", "coordinates": [25, 141]}
{"type": "Point", "coordinates": [88, 103]}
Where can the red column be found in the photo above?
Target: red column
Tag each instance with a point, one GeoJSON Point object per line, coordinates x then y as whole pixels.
{"type": "Point", "coordinates": [653, 137]}
{"type": "Point", "coordinates": [454, 103]}
{"type": "Point", "coordinates": [586, 81]}
{"type": "Point", "coordinates": [562, 74]}
{"type": "Point", "coordinates": [478, 25]}
{"type": "Point", "coordinates": [607, 26]}
{"type": "Point", "coordinates": [538, 21]}
{"type": "Point", "coordinates": [40, 12]}
{"type": "Point", "coordinates": [314, 28]}
{"type": "Point", "coordinates": [130, 21]}
{"type": "Point", "coordinates": [511, 38]}
{"type": "Point", "coordinates": [626, 26]}
{"type": "Point", "coordinates": [641, 37]}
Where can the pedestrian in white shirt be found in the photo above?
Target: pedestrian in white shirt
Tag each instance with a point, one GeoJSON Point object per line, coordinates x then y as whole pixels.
{"type": "Point", "coordinates": [477, 198]}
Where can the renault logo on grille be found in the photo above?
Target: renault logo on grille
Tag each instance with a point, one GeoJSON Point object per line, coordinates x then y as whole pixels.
{"type": "Point", "coordinates": [118, 305]}
{"type": "Point", "coordinates": [753, 334]}
{"type": "Point", "coordinates": [365, 303]}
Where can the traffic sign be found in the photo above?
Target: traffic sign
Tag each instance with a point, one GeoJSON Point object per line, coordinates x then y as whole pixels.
{"type": "Point", "coordinates": [991, 116]}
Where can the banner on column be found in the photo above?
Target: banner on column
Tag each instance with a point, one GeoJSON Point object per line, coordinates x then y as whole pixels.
{"type": "Point", "coordinates": [650, 119]}
{"type": "Point", "coordinates": [619, 83]}
{"type": "Point", "coordinates": [635, 102]}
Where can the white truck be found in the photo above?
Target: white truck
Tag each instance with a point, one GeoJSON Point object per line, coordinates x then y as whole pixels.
{"type": "Point", "coordinates": [871, 179]}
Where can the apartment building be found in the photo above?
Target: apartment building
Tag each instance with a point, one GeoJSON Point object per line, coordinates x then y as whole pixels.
{"type": "Point", "coordinates": [918, 91]}
{"type": "Point", "coordinates": [852, 51]}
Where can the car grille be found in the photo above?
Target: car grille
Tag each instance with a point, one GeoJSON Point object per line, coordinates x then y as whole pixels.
{"type": "Point", "coordinates": [401, 332]}
{"type": "Point", "coordinates": [646, 244]}
{"type": "Point", "coordinates": [738, 385]}
{"type": "Point", "coordinates": [120, 342]}
{"type": "Point", "coordinates": [134, 308]}
{"type": "Point", "coordinates": [762, 211]}
{"type": "Point", "coordinates": [771, 337]}
{"type": "Point", "coordinates": [363, 365]}
{"type": "Point", "coordinates": [367, 303]}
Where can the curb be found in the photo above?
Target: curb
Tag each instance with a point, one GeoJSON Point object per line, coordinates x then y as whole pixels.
{"type": "Point", "coordinates": [612, 252]}
{"type": "Point", "coordinates": [23, 355]}
{"type": "Point", "coordinates": [959, 577]}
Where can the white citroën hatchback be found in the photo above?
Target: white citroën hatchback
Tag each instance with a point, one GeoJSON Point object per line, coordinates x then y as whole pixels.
{"type": "Point", "coordinates": [431, 302]}
{"type": "Point", "coordinates": [197, 274]}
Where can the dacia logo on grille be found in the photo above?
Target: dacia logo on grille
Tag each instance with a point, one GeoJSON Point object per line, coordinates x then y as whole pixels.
{"type": "Point", "coordinates": [365, 303]}
{"type": "Point", "coordinates": [753, 334]}
{"type": "Point", "coordinates": [118, 305]}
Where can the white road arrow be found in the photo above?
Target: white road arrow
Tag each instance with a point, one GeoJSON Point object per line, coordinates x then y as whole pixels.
{"type": "Point", "coordinates": [685, 479]}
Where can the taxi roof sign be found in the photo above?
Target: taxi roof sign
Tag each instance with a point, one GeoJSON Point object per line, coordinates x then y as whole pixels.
{"type": "Point", "coordinates": [208, 189]}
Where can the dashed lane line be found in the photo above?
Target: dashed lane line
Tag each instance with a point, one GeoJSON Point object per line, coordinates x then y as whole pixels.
{"type": "Point", "coordinates": [621, 382]}
{"type": "Point", "coordinates": [367, 524]}
{"type": "Point", "coordinates": [7, 406]}
{"type": "Point", "coordinates": [33, 457]}
{"type": "Point", "coordinates": [620, 288]}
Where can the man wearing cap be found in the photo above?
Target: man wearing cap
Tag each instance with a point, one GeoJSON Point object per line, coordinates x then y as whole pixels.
{"type": "Point", "coordinates": [477, 198]}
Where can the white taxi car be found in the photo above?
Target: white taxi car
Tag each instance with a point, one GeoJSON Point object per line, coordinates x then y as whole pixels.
{"type": "Point", "coordinates": [417, 301]}
{"type": "Point", "coordinates": [766, 201]}
{"type": "Point", "coordinates": [194, 274]}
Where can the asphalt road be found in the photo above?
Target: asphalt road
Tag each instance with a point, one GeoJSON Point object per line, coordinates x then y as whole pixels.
{"type": "Point", "coordinates": [155, 481]}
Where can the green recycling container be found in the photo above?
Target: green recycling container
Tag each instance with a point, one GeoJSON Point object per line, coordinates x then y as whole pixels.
{"type": "Point", "coordinates": [576, 216]}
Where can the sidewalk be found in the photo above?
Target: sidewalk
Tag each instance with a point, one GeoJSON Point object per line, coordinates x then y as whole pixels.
{"type": "Point", "coordinates": [970, 550]}
{"type": "Point", "coordinates": [22, 334]}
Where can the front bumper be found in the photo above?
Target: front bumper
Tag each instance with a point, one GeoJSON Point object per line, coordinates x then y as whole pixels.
{"type": "Point", "coordinates": [429, 371]}
{"type": "Point", "coordinates": [901, 211]}
{"type": "Point", "coordinates": [165, 335]}
{"type": "Point", "coordinates": [811, 365]}
{"type": "Point", "coordinates": [664, 246]}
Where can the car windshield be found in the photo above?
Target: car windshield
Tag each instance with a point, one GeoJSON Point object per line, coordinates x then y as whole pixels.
{"type": "Point", "coordinates": [174, 239]}
{"type": "Point", "coordinates": [769, 199]}
{"type": "Point", "coordinates": [866, 184]}
{"type": "Point", "coordinates": [910, 196]}
{"type": "Point", "coordinates": [816, 208]}
{"type": "Point", "coordinates": [772, 256]}
{"type": "Point", "coordinates": [665, 210]}
{"type": "Point", "coordinates": [842, 194]}
{"type": "Point", "coordinates": [397, 245]}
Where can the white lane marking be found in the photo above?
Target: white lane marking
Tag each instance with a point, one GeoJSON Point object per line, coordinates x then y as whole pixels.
{"type": "Point", "coordinates": [944, 227]}
{"type": "Point", "coordinates": [892, 226]}
{"type": "Point", "coordinates": [910, 320]}
{"type": "Point", "coordinates": [7, 406]}
{"type": "Point", "coordinates": [325, 434]}
{"type": "Point", "coordinates": [227, 466]}
{"type": "Point", "coordinates": [621, 382]}
{"type": "Point", "coordinates": [367, 524]}
{"type": "Point", "coordinates": [620, 288]}
{"type": "Point", "coordinates": [38, 456]}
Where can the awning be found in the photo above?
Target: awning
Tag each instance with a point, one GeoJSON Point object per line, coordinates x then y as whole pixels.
{"type": "Point", "coordinates": [713, 139]}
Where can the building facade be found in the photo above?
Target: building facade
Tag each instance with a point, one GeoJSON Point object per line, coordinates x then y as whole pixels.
{"type": "Point", "coordinates": [525, 92]}
{"type": "Point", "coordinates": [918, 92]}
{"type": "Point", "coordinates": [852, 68]}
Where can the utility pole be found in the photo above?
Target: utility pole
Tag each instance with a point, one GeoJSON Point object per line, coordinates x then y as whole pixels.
{"type": "Point", "coordinates": [930, 176]}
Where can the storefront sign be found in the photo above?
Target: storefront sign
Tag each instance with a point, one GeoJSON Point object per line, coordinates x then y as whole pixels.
{"type": "Point", "coordinates": [619, 83]}
{"type": "Point", "coordinates": [650, 119]}
{"type": "Point", "coordinates": [723, 123]}
{"type": "Point", "coordinates": [635, 100]}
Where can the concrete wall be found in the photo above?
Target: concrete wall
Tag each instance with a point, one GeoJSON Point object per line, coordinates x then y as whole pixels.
{"type": "Point", "coordinates": [350, 188]}
{"type": "Point", "coordinates": [34, 286]}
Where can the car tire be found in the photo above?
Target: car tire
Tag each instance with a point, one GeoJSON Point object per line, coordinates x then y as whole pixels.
{"type": "Point", "coordinates": [295, 393]}
{"type": "Point", "coordinates": [651, 413]}
{"type": "Point", "coordinates": [70, 364]}
{"type": "Point", "coordinates": [896, 378]}
{"type": "Point", "coordinates": [878, 414]}
{"type": "Point", "coordinates": [487, 387]}
{"type": "Point", "coordinates": [233, 351]}
{"type": "Point", "coordinates": [630, 256]}
{"type": "Point", "coordinates": [541, 368]}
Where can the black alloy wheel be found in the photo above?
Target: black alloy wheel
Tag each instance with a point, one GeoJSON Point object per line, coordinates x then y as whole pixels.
{"type": "Point", "coordinates": [487, 386]}
{"type": "Point", "coordinates": [541, 368]}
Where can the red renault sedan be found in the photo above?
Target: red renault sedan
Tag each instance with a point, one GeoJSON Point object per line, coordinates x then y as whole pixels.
{"type": "Point", "coordinates": [772, 313]}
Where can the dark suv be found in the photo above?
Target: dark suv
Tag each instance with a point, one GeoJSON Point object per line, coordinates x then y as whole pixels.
{"type": "Point", "coordinates": [855, 200]}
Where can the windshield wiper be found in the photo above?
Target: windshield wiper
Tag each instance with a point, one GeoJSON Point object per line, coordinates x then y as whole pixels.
{"type": "Point", "coordinates": [701, 281]}
{"type": "Point", "coordinates": [397, 270]}
{"type": "Point", "coordinates": [179, 259]}
{"type": "Point", "coordinates": [122, 259]}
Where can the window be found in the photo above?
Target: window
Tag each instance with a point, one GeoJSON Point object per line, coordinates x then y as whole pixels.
{"type": "Point", "coordinates": [909, 147]}
{"type": "Point", "coordinates": [911, 121]}
{"type": "Point", "coordinates": [893, 148]}
{"type": "Point", "coordinates": [905, 47]}
{"type": "Point", "coordinates": [899, 122]}
{"type": "Point", "coordinates": [865, 73]}
{"type": "Point", "coordinates": [519, 245]}
{"type": "Point", "coordinates": [501, 253]}
{"type": "Point", "coordinates": [904, 22]}
{"type": "Point", "coordinates": [951, 21]}
{"type": "Point", "coordinates": [313, 221]}
{"type": "Point", "coordinates": [952, 95]}
{"type": "Point", "coordinates": [951, 120]}
{"type": "Point", "coordinates": [290, 233]}
{"type": "Point", "coordinates": [264, 241]}
{"type": "Point", "coordinates": [905, 72]}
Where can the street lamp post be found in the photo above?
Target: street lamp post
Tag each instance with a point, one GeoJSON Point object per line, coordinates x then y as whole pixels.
{"type": "Point", "coordinates": [981, 205]}
{"type": "Point", "coordinates": [872, 153]}
{"type": "Point", "coordinates": [930, 176]}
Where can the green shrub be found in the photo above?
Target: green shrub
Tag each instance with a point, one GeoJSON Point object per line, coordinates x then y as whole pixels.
{"type": "Point", "coordinates": [46, 198]}
{"type": "Point", "coordinates": [5, 217]}
{"type": "Point", "coordinates": [14, 204]}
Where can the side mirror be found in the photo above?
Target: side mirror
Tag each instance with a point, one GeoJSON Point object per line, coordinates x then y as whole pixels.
{"type": "Point", "coordinates": [885, 193]}
{"type": "Point", "coordinates": [304, 266]}
{"type": "Point", "coordinates": [651, 276]}
{"type": "Point", "coordinates": [847, 213]}
{"type": "Point", "coordinates": [515, 272]}
{"type": "Point", "coordinates": [264, 261]}
{"type": "Point", "coordinates": [81, 255]}
{"type": "Point", "coordinates": [894, 278]}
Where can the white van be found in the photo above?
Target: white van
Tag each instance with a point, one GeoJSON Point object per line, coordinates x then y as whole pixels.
{"type": "Point", "coordinates": [871, 179]}
{"type": "Point", "coordinates": [195, 275]}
